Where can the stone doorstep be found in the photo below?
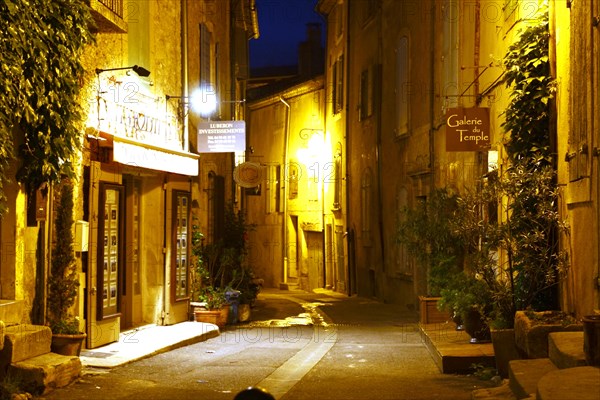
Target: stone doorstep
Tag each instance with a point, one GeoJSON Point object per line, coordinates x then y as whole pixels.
{"type": "Point", "coordinates": [565, 349]}
{"type": "Point", "coordinates": [25, 341]}
{"type": "Point", "coordinates": [581, 383]}
{"type": "Point", "coordinates": [451, 350]}
{"type": "Point", "coordinates": [524, 375]}
{"type": "Point", "coordinates": [45, 372]}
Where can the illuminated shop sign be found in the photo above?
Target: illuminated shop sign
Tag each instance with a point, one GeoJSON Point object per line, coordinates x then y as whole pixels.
{"type": "Point", "coordinates": [125, 107]}
{"type": "Point", "coordinates": [222, 137]}
{"type": "Point", "coordinates": [139, 128]}
{"type": "Point", "coordinates": [126, 122]}
{"type": "Point", "coordinates": [468, 129]}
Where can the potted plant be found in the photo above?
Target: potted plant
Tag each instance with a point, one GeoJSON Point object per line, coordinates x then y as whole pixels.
{"type": "Point", "coordinates": [63, 281]}
{"type": "Point", "coordinates": [427, 234]}
{"type": "Point", "coordinates": [248, 287]}
{"type": "Point", "coordinates": [221, 267]}
{"type": "Point", "coordinates": [212, 306]}
{"type": "Point", "coordinates": [470, 299]}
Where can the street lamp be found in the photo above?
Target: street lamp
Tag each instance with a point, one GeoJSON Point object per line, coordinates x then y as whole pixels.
{"type": "Point", "coordinates": [203, 100]}
{"type": "Point", "coordinates": [141, 71]}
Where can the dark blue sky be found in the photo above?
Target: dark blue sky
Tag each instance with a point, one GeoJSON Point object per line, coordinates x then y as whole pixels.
{"type": "Point", "coordinates": [282, 26]}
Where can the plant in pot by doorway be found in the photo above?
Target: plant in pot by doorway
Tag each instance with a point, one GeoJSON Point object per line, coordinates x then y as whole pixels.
{"type": "Point", "coordinates": [425, 231]}
{"type": "Point", "coordinates": [222, 271]}
{"type": "Point", "coordinates": [212, 307]}
{"type": "Point", "coordinates": [63, 282]}
{"type": "Point", "coordinates": [470, 299]}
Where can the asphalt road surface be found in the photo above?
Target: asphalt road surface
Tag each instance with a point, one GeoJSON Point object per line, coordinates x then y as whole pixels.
{"type": "Point", "coordinates": [313, 346]}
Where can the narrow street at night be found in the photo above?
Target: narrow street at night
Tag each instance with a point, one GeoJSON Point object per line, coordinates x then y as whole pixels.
{"type": "Point", "coordinates": [299, 345]}
{"type": "Point", "coordinates": [319, 199]}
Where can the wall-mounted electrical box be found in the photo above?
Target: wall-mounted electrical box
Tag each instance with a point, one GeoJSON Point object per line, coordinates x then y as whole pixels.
{"type": "Point", "coordinates": [82, 236]}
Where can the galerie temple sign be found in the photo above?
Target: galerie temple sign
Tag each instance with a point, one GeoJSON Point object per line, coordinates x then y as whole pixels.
{"type": "Point", "coordinates": [468, 129]}
{"type": "Point", "coordinates": [222, 137]}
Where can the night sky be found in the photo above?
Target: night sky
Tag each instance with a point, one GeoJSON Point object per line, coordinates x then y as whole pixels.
{"type": "Point", "coordinates": [282, 26]}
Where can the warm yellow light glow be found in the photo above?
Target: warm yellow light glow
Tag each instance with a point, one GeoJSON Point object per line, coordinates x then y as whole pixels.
{"type": "Point", "coordinates": [204, 100]}
{"type": "Point", "coordinates": [317, 150]}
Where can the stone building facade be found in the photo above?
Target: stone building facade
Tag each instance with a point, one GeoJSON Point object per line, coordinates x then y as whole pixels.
{"type": "Point", "coordinates": [141, 183]}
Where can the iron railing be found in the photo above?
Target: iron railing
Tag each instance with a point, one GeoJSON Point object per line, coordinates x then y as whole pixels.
{"type": "Point", "coordinates": [115, 6]}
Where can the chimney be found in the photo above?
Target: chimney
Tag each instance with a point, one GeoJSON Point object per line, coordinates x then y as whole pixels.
{"type": "Point", "coordinates": [311, 55]}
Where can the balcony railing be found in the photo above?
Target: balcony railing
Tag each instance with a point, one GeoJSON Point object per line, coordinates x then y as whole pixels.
{"type": "Point", "coordinates": [116, 6]}
{"type": "Point", "coordinates": [109, 15]}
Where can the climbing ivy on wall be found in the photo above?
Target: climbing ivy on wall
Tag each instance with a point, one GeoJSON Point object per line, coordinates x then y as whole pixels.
{"type": "Point", "coordinates": [532, 220]}
{"type": "Point", "coordinates": [528, 76]}
{"type": "Point", "coordinates": [40, 77]}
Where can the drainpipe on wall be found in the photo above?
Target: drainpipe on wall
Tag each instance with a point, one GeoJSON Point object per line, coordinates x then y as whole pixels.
{"type": "Point", "coordinates": [184, 74]}
{"type": "Point", "coordinates": [164, 312]}
{"type": "Point", "coordinates": [476, 56]}
{"type": "Point", "coordinates": [378, 126]}
{"type": "Point", "coordinates": [351, 269]}
{"type": "Point", "coordinates": [432, 128]}
{"type": "Point", "coordinates": [285, 187]}
{"type": "Point", "coordinates": [323, 219]}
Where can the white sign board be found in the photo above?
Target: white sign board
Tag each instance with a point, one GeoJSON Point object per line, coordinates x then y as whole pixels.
{"type": "Point", "coordinates": [222, 137]}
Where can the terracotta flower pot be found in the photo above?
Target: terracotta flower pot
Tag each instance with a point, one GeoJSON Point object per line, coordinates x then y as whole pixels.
{"type": "Point", "coordinates": [244, 311]}
{"type": "Point", "coordinates": [207, 316]}
{"type": "Point", "coordinates": [591, 339]}
{"type": "Point", "coordinates": [223, 316]}
{"type": "Point", "coordinates": [67, 345]}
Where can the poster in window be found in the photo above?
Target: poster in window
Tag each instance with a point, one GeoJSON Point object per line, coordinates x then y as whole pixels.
{"type": "Point", "coordinates": [105, 296]}
{"type": "Point", "coordinates": [113, 294]}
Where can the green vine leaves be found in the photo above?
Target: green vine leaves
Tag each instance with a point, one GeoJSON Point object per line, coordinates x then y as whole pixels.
{"type": "Point", "coordinates": [40, 77]}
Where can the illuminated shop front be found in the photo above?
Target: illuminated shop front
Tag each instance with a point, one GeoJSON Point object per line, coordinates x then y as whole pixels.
{"type": "Point", "coordinates": [137, 185]}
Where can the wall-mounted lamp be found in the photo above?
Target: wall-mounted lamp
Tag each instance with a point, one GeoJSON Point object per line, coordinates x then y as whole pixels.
{"type": "Point", "coordinates": [203, 100]}
{"type": "Point", "coordinates": [141, 71]}
{"type": "Point", "coordinates": [307, 133]}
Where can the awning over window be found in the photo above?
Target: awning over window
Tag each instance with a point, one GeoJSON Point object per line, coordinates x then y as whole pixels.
{"type": "Point", "coordinates": [146, 156]}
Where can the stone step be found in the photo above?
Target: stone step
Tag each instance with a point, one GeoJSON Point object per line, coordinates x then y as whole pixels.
{"type": "Point", "coordinates": [45, 372]}
{"type": "Point", "coordinates": [24, 341]}
{"type": "Point", "coordinates": [452, 351]}
{"type": "Point", "coordinates": [11, 311]}
{"type": "Point", "coordinates": [524, 375]}
{"type": "Point", "coordinates": [581, 383]}
{"type": "Point", "coordinates": [565, 349]}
